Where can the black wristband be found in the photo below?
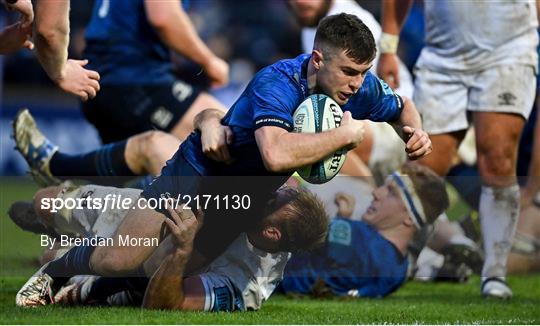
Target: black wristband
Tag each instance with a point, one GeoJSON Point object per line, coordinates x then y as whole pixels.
{"type": "Point", "coordinates": [11, 2]}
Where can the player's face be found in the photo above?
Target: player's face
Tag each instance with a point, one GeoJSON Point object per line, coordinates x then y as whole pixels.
{"type": "Point", "coordinates": [309, 12]}
{"type": "Point", "coordinates": [340, 77]}
{"type": "Point", "coordinates": [387, 209]}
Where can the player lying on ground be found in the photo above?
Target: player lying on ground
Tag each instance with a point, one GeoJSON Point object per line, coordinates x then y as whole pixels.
{"type": "Point", "coordinates": [263, 146]}
{"type": "Point", "coordinates": [147, 153]}
{"type": "Point", "coordinates": [239, 279]}
{"type": "Point", "coordinates": [368, 258]}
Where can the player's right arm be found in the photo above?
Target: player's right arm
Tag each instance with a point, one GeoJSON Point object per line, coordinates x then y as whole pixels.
{"type": "Point", "coordinates": [284, 151]}
{"type": "Point", "coordinates": [168, 289]}
{"type": "Point", "coordinates": [175, 30]}
{"type": "Point", "coordinates": [51, 43]}
{"type": "Point", "coordinates": [14, 37]}
{"type": "Point", "coordinates": [394, 13]}
{"type": "Point", "coordinates": [25, 8]}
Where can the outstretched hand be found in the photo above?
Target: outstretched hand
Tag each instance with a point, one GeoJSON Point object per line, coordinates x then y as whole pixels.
{"type": "Point", "coordinates": [345, 204]}
{"type": "Point", "coordinates": [418, 143]}
{"type": "Point", "coordinates": [25, 8]}
{"type": "Point", "coordinates": [77, 80]}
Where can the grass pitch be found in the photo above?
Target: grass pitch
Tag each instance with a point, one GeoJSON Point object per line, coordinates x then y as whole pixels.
{"type": "Point", "coordinates": [414, 303]}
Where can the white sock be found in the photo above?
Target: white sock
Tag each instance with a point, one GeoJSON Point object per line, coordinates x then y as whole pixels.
{"type": "Point", "coordinates": [499, 212]}
{"type": "Point", "coordinates": [428, 264]}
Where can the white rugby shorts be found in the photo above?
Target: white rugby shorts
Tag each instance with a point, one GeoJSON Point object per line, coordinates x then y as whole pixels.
{"type": "Point", "coordinates": [443, 99]}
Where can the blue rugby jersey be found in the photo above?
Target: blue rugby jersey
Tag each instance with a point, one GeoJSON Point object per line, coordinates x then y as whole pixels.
{"type": "Point", "coordinates": [270, 99]}
{"type": "Point", "coordinates": [123, 47]}
{"type": "Point", "coordinates": [355, 257]}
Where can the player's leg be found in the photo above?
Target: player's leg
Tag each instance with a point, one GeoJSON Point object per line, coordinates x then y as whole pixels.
{"type": "Point", "coordinates": [148, 152]}
{"type": "Point", "coordinates": [204, 101]}
{"type": "Point", "coordinates": [525, 254]}
{"type": "Point", "coordinates": [497, 136]}
{"type": "Point", "coordinates": [140, 154]}
{"type": "Point", "coordinates": [140, 222]}
{"type": "Point", "coordinates": [444, 152]}
{"type": "Point", "coordinates": [507, 92]}
{"type": "Point", "coordinates": [441, 99]}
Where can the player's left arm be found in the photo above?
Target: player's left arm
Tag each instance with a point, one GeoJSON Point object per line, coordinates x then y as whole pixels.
{"type": "Point", "coordinates": [409, 128]}
{"type": "Point", "coordinates": [167, 287]}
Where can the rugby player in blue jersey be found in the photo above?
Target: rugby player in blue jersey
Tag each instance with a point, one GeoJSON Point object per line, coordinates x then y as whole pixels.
{"type": "Point", "coordinates": [129, 42]}
{"type": "Point", "coordinates": [368, 258]}
{"type": "Point", "coordinates": [263, 146]}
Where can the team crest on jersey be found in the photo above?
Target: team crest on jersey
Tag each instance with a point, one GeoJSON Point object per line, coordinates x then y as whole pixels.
{"type": "Point", "coordinates": [340, 233]}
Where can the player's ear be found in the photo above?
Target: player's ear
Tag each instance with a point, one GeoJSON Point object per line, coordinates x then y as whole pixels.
{"type": "Point", "coordinates": [272, 233]}
{"type": "Point", "coordinates": [408, 221]}
{"type": "Point", "coordinates": [317, 58]}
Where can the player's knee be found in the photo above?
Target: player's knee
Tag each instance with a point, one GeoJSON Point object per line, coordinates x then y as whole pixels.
{"type": "Point", "coordinates": [496, 161]}
{"type": "Point", "coordinates": [42, 205]}
{"type": "Point", "coordinates": [150, 141]}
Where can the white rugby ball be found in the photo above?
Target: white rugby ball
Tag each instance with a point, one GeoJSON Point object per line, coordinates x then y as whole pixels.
{"type": "Point", "coordinates": [319, 113]}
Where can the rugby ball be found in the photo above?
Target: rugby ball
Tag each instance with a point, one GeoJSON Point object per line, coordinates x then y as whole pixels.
{"type": "Point", "coordinates": [319, 113]}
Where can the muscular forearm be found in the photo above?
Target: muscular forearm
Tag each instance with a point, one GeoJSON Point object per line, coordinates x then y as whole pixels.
{"type": "Point", "coordinates": [175, 30]}
{"type": "Point", "coordinates": [394, 13]}
{"type": "Point", "coordinates": [165, 290]}
{"type": "Point", "coordinates": [409, 117]}
{"type": "Point", "coordinates": [290, 151]}
{"type": "Point", "coordinates": [52, 36]}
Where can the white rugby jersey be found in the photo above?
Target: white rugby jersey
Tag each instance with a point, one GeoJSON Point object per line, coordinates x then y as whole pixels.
{"type": "Point", "coordinates": [254, 272]}
{"type": "Point", "coordinates": [475, 35]}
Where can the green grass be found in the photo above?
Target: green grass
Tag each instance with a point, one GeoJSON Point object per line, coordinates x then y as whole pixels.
{"type": "Point", "coordinates": [414, 303]}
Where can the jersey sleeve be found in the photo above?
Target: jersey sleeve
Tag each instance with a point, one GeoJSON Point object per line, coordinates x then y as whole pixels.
{"type": "Point", "coordinates": [274, 99]}
{"type": "Point", "coordinates": [376, 101]}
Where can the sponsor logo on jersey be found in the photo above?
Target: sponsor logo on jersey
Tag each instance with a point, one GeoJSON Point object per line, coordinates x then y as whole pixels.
{"type": "Point", "coordinates": [507, 98]}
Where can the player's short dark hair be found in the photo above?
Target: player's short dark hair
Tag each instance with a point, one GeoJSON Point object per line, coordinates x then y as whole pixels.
{"type": "Point", "coordinates": [430, 188]}
{"type": "Point", "coordinates": [346, 32]}
{"type": "Point", "coordinates": [303, 221]}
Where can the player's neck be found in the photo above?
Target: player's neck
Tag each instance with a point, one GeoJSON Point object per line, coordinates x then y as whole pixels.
{"type": "Point", "coordinates": [399, 237]}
